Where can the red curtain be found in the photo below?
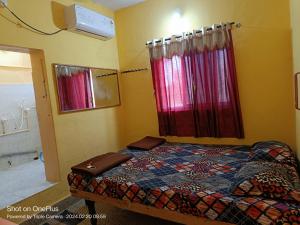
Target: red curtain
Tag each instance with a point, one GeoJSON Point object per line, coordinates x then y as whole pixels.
{"type": "Point", "coordinates": [75, 90]}
{"type": "Point", "coordinates": [196, 92]}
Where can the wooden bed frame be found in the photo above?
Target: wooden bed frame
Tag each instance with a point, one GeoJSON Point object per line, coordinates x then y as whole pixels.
{"type": "Point", "coordinates": [91, 198]}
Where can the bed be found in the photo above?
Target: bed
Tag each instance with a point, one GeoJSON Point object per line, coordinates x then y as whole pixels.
{"type": "Point", "coordinates": [186, 183]}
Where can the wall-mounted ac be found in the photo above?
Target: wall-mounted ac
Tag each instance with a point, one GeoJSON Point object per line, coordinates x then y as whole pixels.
{"type": "Point", "coordinates": [88, 22]}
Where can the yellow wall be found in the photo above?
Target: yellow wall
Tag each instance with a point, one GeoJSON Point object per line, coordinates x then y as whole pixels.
{"type": "Point", "coordinates": [264, 66]}
{"type": "Point", "coordinates": [14, 75]}
{"type": "Point", "coordinates": [263, 58]}
{"type": "Point", "coordinates": [14, 59]}
{"type": "Point", "coordinates": [295, 18]}
{"type": "Point", "coordinates": [15, 68]}
{"type": "Point", "coordinates": [79, 135]}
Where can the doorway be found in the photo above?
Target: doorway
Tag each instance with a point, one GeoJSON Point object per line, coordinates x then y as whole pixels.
{"type": "Point", "coordinates": [28, 156]}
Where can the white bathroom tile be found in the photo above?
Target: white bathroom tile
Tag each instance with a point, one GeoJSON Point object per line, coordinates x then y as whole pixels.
{"type": "Point", "coordinates": [22, 182]}
{"type": "Point", "coordinates": [25, 176]}
{"type": "Point", "coordinates": [4, 201]}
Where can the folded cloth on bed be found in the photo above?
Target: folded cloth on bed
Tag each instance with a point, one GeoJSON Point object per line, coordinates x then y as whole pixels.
{"type": "Point", "coordinates": [101, 163]}
{"type": "Point", "coordinates": [147, 143]}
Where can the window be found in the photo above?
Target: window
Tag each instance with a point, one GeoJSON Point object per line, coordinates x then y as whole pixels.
{"type": "Point", "coordinates": [196, 90]}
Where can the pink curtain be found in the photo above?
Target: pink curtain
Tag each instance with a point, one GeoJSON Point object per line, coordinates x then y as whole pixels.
{"type": "Point", "coordinates": [196, 90]}
{"type": "Point", "coordinates": [75, 90]}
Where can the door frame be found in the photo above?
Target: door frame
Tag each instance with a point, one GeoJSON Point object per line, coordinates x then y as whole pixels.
{"type": "Point", "coordinates": [43, 109]}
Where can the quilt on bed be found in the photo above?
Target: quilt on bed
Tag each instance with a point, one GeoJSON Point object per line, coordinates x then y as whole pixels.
{"type": "Point", "coordinates": [189, 178]}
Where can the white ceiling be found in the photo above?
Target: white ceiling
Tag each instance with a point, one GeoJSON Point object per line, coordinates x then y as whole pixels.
{"type": "Point", "coordinates": [117, 4]}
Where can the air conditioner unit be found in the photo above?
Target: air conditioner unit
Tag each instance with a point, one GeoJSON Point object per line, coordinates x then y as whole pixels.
{"type": "Point", "coordinates": [85, 21]}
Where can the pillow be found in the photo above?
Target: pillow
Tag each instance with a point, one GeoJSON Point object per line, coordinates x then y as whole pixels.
{"type": "Point", "coordinates": [267, 179]}
{"type": "Point", "coordinates": [273, 151]}
{"type": "Point", "coordinates": [147, 143]}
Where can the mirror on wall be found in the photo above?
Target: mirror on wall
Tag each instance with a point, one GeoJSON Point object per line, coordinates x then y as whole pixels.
{"type": "Point", "coordinates": [83, 88]}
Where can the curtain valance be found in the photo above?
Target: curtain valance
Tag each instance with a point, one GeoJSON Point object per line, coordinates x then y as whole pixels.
{"type": "Point", "coordinates": [215, 38]}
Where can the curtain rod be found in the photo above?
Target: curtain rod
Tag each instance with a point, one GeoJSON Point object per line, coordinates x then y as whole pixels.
{"type": "Point", "coordinates": [133, 70]}
{"type": "Point", "coordinates": [238, 25]}
{"type": "Point", "coordinates": [122, 72]}
{"type": "Point", "coordinates": [106, 74]}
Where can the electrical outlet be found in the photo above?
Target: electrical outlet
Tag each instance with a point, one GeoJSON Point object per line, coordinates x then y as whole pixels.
{"type": "Point", "coordinates": [3, 2]}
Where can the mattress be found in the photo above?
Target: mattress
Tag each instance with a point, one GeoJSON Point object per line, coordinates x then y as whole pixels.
{"type": "Point", "coordinates": [191, 179]}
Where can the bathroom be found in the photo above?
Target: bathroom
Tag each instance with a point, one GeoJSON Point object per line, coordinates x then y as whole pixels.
{"type": "Point", "coordinates": [21, 154]}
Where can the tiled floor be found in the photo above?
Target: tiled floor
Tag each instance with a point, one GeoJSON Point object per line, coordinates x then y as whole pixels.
{"type": "Point", "coordinates": [20, 182]}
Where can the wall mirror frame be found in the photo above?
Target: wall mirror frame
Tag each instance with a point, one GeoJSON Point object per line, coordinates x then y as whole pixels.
{"type": "Point", "coordinates": [297, 91]}
{"type": "Point", "coordinates": [82, 88]}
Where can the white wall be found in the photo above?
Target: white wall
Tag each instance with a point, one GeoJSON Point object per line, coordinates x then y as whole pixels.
{"type": "Point", "coordinates": [11, 96]}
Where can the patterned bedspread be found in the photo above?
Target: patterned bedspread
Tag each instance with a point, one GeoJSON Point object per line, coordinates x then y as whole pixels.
{"type": "Point", "coordinates": [191, 179]}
